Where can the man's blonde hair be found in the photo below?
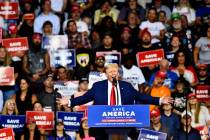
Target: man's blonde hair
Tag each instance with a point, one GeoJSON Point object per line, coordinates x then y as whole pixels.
{"type": "Point", "coordinates": [114, 65]}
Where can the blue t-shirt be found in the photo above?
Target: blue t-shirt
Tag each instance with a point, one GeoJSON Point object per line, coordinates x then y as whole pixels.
{"type": "Point", "coordinates": [171, 78]}
{"type": "Point", "coordinates": [172, 123]}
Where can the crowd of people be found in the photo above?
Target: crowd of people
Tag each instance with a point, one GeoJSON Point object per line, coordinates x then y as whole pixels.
{"type": "Point", "coordinates": [181, 28]}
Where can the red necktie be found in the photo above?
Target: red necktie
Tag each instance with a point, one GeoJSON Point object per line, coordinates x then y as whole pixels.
{"type": "Point", "coordinates": [113, 98]}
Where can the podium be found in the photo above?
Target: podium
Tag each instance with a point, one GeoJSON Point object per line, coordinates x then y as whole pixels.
{"type": "Point", "coordinates": [118, 121]}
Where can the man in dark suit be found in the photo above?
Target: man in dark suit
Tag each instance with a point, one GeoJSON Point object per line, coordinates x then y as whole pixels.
{"type": "Point", "coordinates": [125, 94]}
{"type": "Point", "coordinates": [113, 92]}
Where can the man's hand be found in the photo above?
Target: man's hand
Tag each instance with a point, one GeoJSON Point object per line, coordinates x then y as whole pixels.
{"type": "Point", "coordinates": [166, 100]}
{"type": "Point", "coordinates": [62, 101]}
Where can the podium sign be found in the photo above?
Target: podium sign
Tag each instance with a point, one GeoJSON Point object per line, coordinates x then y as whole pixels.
{"type": "Point", "coordinates": [118, 116]}
{"type": "Point", "coordinates": [146, 134]}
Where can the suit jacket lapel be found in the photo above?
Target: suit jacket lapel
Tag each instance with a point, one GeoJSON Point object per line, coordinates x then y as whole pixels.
{"type": "Point", "coordinates": [121, 92]}
{"type": "Point", "coordinates": [106, 92]}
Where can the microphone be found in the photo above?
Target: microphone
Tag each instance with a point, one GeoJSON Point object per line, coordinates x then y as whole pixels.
{"type": "Point", "coordinates": [114, 81]}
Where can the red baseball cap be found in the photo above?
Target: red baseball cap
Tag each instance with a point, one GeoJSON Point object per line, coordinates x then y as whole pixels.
{"type": "Point", "coordinates": [12, 28]}
{"type": "Point", "coordinates": [126, 29]}
{"type": "Point", "coordinates": [145, 31]}
{"type": "Point", "coordinates": [154, 113]}
{"type": "Point", "coordinates": [37, 36]}
{"type": "Point", "coordinates": [191, 95]}
{"type": "Point", "coordinates": [202, 66]}
{"type": "Point", "coordinates": [47, 1]}
{"type": "Point", "coordinates": [160, 74]}
{"type": "Point", "coordinates": [75, 8]}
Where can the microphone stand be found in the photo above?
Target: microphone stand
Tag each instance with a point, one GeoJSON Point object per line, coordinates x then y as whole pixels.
{"type": "Point", "coordinates": [115, 84]}
{"type": "Point", "coordinates": [55, 113]}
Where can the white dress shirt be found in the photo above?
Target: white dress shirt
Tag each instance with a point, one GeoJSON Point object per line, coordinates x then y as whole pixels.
{"type": "Point", "coordinates": [54, 19]}
{"type": "Point", "coordinates": [109, 93]}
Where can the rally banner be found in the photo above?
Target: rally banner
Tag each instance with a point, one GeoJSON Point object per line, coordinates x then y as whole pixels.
{"type": "Point", "coordinates": [66, 89]}
{"type": "Point", "coordinates": [55, 42]}
{"type": "Point", "coordinates": [170, 56]}
{"type": "Point", "coordinates": [118, 116]}
{"type": "Point", "coordinates": [9, 10]}
{"type": "Point", "coordinates": [7, 77]}
{"type": "Point", "coordinates": [95, 76]}
{"type": "Point", "coordinates": [6, 134]}
{"type": "Point", "coordinates": [64, 57]}
{"type": "Point", "coordinates": [146, 134]}
{"type": "Point", "coordinates": [71, 120]}
{"type": "Point", "coordinates": [16, 46]}
{"type": "Point", "coordinates": [17, 122]}
{"type": "Point", "coordinates": [204, 132]}
{"type": "Point", "coordinates": [202, 93]}
{"type": "Point", "coordinates": [147, 58]}
{"type": "Point", "coordinates": [110, 57]}
{"type": "Point", "coordinates": [28, 16]}
{"type": "Point", "coordinates": [44, 120]}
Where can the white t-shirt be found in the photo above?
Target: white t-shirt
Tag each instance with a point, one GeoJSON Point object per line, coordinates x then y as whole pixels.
{"type": "Point", "coordinates": [133, 76]}
{"type": "Point", "coordinates": [203, 117]}
{"type": "Point", "coordinates": [81, 26]}
{"type": "Point", "coordinates": [57, 5]}
{"type": "Point", "coordinates": [154, 28]}
{"type": "Point", "coordinates": [203, 44]}
{"type": "Point", "coordinates": [54, 19]}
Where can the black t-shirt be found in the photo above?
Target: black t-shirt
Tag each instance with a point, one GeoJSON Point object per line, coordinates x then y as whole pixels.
{"type": "Point", "coordinates": [192, 135]}
{"type": "Point", "coordinates": [48, 99]}
{"type": "Point", "coordinates": [84, 59]}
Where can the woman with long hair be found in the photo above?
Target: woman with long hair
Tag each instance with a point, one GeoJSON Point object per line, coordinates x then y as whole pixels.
{"type": "Point", "coordinates": [200, 114]}
{"type": "Point", "coordinates": [24, 97]}
{"type": "Point", "coordinates": [10, 108]}
{"type": "Point", "coordinates": [183, 67]}
{"type": "Point", "coordinates": [6, 61]}
{"type": "Point", "coordinates": [37, 106]}
{"type": "Point", "coordinates": [84, 131]}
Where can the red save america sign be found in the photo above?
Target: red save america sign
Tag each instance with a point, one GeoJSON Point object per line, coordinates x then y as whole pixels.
{"type": "Point", "coordinates": [16, 46]}
{"type": "Point", "coordinates": [203, 93]}
{"type": "Point", "coordinates": [7, 77]}
{"type": "Point", "coordinates": [44, 120]}
{"type": "Point", "coordinates": [6, 134]}
{"type": "Point", "coordinates": [9, 10]}
{"type": "Point", "coordinates": [149, 57]}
